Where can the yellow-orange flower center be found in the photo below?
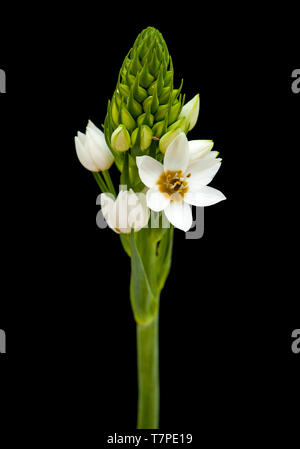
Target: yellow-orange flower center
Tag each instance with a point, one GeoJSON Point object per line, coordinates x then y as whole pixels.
{"type": "Point", "coordinates": [173, 183]}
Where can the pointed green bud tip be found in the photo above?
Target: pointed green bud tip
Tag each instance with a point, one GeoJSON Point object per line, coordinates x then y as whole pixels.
{"type": "Point", "coordinates": [190, 112]}
{"type": "Point", "coordinates": [134, 136]}
{"type": "Point", "coordinates": [127, 119]}
{"type": "Point", "coordinates": [168, 138]}
{"type": "Point", "coordinates": [145, 137]}
{"type": "Point", "coordinates": [120, 139]}
{"type": "Point", "coordinates": [158, 129]}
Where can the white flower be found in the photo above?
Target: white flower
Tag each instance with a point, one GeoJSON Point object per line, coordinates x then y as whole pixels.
{"type": "Point", "coordinates": [182, 180]}
{"type": "Point", "coordinates": [92, 150]}
{"type": "Point", "coordinates": [128, 211]}
{"type": "Point", "coordinates": [190, 112]}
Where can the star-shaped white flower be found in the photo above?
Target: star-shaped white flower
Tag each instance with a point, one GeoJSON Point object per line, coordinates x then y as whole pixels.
{"type": "Point", "coordinates": [182, 179]}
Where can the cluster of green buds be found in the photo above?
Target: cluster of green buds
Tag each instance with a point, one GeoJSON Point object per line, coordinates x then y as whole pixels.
{"type": "Point", "coordinates": [146, 113]}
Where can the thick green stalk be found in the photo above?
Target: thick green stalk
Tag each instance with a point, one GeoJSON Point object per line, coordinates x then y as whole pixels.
{"type": "Point", "coordinates": [148, 374]}
{"type": "Point", "coordinates": [150, 266]}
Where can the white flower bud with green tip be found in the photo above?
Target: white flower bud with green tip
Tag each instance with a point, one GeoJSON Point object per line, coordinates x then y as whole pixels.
{"type": "Point", "coordinates": [168, 138]}
{"type": "Point", "coordinates": [190, 112]}
{"type": "Point", "coordinates": [180, 123]}
{"type": "Point", "coordinates": [129, 210]}
{"type": "Point", "coordinates": [92, 150]}
{"type": "Point", "coordinates": [120, 139]}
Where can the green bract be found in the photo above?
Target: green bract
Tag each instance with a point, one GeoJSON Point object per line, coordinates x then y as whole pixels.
{"type": "Point", "coordinates": [145, 101]}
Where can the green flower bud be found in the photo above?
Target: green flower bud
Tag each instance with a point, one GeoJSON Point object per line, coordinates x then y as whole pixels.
{"type": "Point", "coordinates": [134, 136]}
{"type": "Point", "coordinates": [168, 138]}
{"type": "Point", "coordinates": [145, 137]}
{"type": "Point", "coordinates": [169, 79]}
{"type": "Point", "coordinates": [147, 104]}
{"type": "Point", "coordinates": [164, 96]}
{"type": "Point", "coordinates": [158, 129]}
{"type": "Point", "coordinates": [138, 91]}
{"type": "Point", "coordinates": [161, 112]}
{"type": "Point", "coordinates": [124, 90]}
{"type": "Point", "coordinates": [120, 139]}
{"type": "Point", "coordinates": [127, 119]}
{"type": "Point", "coordinates": [114, 112]}
{"type": "Point", "coordinates": [178, 124]}
{"type": "Point", "coordinates": [190, 112]}
{"type": "Point", "coordinates": [174, 112]}
{"type": "Point", "coordinates": [146, 118]}
{"type": "Point", "coordinates": [146, 77]}
{"type": "Point", "coordinates": [133, 106]}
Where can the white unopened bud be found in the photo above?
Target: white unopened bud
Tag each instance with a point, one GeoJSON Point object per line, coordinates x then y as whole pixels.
{"type": "Point", "coordinates": [92, 150]}
{"type": "Point", "coordinates": [190, 112]}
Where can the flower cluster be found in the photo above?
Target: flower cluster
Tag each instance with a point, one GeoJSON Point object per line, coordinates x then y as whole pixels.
{"type": "Point", "coordinates": [145, 135]}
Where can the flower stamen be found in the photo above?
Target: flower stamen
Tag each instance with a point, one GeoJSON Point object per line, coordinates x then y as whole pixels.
{"type": "Point", "coordinates": [171, 182]}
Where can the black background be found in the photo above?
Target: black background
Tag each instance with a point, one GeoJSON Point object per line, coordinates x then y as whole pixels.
{"type": "Point", "coordinates": [230, 303]}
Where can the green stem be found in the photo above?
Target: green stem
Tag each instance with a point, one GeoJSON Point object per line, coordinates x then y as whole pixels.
{"type": "Point", "coordinates": [109, 182]}
{"type": "Point", "coordinates": [100, 182]}
{"type": "Point", "coordinates": [125, 172]}
{"type": "Point", "coordinates": [148, 375]}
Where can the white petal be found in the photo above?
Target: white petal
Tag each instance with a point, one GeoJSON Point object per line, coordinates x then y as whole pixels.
{"type": "Point", "coordinates": [156, 200]}
{"type": "Point", "coordinates": [191, 111]}
{"type": "Point", "coordinates": [84, 155]}
{"type": "Point", "coordinates": [108, 208]}
{"type": "Point", "coordinates": [202, 171]}
{"type": "Point", "coordinates": [177, 154]}
{"type": "Point", "coordinates": [138, 212]}
{"type": "Point", "coordinates": [122, 211]}
{"type": "Point", "coordinates": [199, 148]}
{"type": "Point", "coordinates": [149, 170]}
{"type": "Point", "coordinates": [211, 155]}
{"type": "Point", "coordinates": [179, 214]}
{"type": "Point", "coordinates": [81, 137]}
{"type": "Point", "coordinates": [99, 150]}
{"type": "Point", "coordinates": [91, 125]}
{"type": "Point", "coordinates": [204, 196]}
